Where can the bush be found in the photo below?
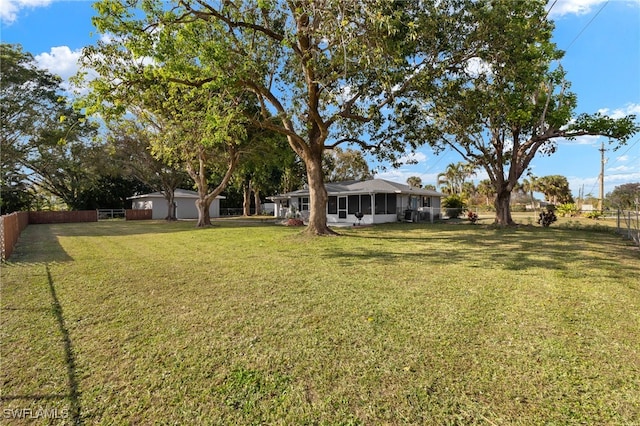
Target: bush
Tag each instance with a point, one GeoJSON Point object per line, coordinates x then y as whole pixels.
{"type": "Point", "coordinates": [547, 217]}
{"type": "Point", "coordinates": [593, 215]}
{"type": "Point", "coordinates": [568, 209]}
{"type": "Point", "coordinates": [454, 205]}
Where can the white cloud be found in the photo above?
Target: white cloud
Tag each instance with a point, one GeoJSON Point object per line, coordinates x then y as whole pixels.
{"type": "Point", "coordinates": [401, 175]}
{"type": "Point", "coordinates": [413, 158]}
{"type": "Point", "coordinates": [628, 109]}
{"type": "Point", "coordinates": [581, 140]}
{"type": "Point", "coordinates": [561, 8]}
{"type": "Point", "coordinates": [9, 9]}
{"type": "Point", "coordinates": [619, 169]}
{"type": "Point", "coordinates": [60, 61]}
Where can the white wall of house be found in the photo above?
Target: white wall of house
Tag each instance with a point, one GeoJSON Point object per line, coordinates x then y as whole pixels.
{"type": "Point", "coordinates": [185, 207]}
{"type": "Point", "coordinates": [377, 206]}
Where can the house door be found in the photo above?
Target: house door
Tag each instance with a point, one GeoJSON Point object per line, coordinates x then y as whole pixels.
{"type": "Point", "coordinates": [342, 207]}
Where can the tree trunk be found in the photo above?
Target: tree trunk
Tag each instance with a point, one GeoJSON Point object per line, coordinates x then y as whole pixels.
{"type": "Point", "coordinates": [503, 208]}
{"type": "Point", "coordinates": [246, 197]}
{"type": "Point", "coordinates": [317, 198]}
{"type": "Point", "coordinates": [171, 206]}
{"type": "Point", "coordinates": [256, 200]}
{"type": "Point", "coordinates": [204, 219]}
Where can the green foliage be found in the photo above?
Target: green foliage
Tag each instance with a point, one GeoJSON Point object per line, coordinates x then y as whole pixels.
{"type": "Point", "coordinates": [511, 100]}
{"type": "Point", "coordinates": [626, 196]}
{"type": "Point", "coordinates": [454, 204]}
{"type": "Point", "coordinates": [45, 145]}
{"type": "Point", "coordinates": [453, 201]}
{"type": "Point", "coordinates": [593, 214]}
{"type": "Point", "coordinates": [555, 189]}
{"type": "Point", "coordinates": [568, 209]}
{"type": "Point", "coordinates": [341, 165]}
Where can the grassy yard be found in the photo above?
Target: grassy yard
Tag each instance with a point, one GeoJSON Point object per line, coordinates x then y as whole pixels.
{"type": "Point", "coordinates": [154, 323]}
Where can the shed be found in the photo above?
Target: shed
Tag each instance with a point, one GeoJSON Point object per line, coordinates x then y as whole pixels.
{"type": "Point", "coordinates": [185, 204]}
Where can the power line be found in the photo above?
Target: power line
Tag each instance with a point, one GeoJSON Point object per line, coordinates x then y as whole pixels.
{"type": "Point", "coordinates": [586, 26]}
{"type": "Point", "coordinates": [547, 14]}
{"type": "Point", "coordinates": [628, 149]}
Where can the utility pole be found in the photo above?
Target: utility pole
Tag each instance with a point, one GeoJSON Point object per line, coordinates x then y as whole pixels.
{"type": "Point", "coordinates": [601, 197]}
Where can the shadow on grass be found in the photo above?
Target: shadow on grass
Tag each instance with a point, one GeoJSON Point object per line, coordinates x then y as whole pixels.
{"type": "Point", "coordinates": [141, 227]}
{"type": "Point", "coordinates": [519, 248]}
{"type": "Point", "coordinates": [73, 395]}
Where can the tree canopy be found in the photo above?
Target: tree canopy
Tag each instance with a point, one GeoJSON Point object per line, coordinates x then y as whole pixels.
{"type": "Point", "coordinates": [626, 196]}
{"type": "Point", "coordinates": [44, 143]}
{"type": "Point", "coordinates": [511, 101]}
{"type": "Point", "coordinates": [329, 71]}
{"type": "Point", "coordinates": [342, 165]}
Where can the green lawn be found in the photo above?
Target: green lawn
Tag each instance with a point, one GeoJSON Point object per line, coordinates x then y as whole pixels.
{"type": "Point", "coordinates": [153, 323]}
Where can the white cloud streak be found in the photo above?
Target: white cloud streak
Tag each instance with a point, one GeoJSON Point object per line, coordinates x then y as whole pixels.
{"type": "Point", "coordinates": [9, 9]}
{"type": "Point", "coordinates": [572, 7]}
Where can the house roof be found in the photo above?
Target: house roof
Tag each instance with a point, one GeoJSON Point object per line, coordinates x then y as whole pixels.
{"type": "Point", "coordinates": [371, 186]}
{"type": "Point", "coordinates": [178, 193]}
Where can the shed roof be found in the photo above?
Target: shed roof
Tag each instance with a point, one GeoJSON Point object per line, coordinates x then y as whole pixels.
{"type": "Point", "coordinates": [178, 193]}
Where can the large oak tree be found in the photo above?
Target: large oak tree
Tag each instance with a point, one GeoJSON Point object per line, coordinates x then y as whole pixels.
{"type": "Point", "coordinates": [512, 101]}
{"type": "Point", "coordinates": [44, 143]}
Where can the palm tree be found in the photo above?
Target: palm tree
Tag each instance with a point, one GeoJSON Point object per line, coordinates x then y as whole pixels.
{"type": "Point", "coordinates": [529, 186]}
{"type": "Point", "coordinates": [454, 176]}
{"type": "Point", "coordinates": [486, 188]}
{"type": "Point", "coordinates": [414, 182]}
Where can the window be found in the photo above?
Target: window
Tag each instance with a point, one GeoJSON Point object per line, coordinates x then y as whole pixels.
{"type": "Point", "coordinates": [391, 203]}
{"type": "Point", "coordinates": [381, 203]}
{"type": "Point", "coordinates": [332, 205]}
{"type": "Point", "coordinates": [354, 204]}
{"type": "Point", "coordinates": [426, 201]}
{"type": "Point", "coordinates": [303, 204]}
{"type": "Point", "coordinates": [365, 204]}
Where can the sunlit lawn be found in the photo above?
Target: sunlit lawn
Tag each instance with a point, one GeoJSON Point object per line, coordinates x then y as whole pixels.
{"type": "Point", "coordinates": [147, 322]}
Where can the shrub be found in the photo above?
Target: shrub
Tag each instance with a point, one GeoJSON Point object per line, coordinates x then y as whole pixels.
{"type": "Point", "coordinates": [454, 205]}
{"type": "Point", "coordinates": [547, 217]}
{"type": "Point", "coordinates": [568, 209]}
{"type": "Point", "coordinates": [593, 215]}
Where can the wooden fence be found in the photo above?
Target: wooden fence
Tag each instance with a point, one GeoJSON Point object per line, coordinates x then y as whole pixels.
{"type": "Point", "coordinates": [63, 217]}
{"type": "Point", "coordinates": [138, 214]}
{"type": "Point", "coordinates": [11, 226]}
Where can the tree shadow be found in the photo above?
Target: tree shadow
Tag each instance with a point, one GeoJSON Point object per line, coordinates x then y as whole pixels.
{"type": "Point", "coordinates": [73, 394]}
{"type": "Point", "coordinates": [38, 244]}
{"type": "Point", "coordinates": [516, 249]}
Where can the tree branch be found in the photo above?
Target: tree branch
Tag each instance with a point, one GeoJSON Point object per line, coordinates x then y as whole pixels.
{"type": "Point", "coordinates": [360, 142]}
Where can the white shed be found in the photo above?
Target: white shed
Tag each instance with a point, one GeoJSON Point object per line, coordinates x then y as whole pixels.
{"type": "Point", "coordinates": [185, 204]}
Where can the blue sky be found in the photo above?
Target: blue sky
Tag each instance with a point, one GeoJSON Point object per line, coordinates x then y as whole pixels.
{"type": "Point", "coordinates": [601, 39]}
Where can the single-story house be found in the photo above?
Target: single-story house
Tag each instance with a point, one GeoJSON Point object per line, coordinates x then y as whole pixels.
{"type": "Point", "coordinates": [377, 200]}
{"type": "Point", "coordinates": [184, 199]}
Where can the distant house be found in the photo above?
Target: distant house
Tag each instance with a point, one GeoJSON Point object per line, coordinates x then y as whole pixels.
{"type": "Point", "coordinates": [185, 204]}
{"type": "Point", "coordinates": [378, 200]}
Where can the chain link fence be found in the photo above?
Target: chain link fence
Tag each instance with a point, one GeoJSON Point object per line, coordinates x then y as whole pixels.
{"type": "Point", "coordinates": [628, 224]}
